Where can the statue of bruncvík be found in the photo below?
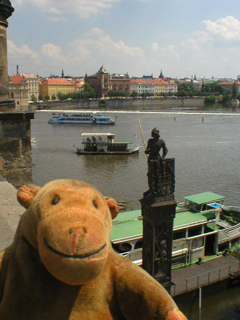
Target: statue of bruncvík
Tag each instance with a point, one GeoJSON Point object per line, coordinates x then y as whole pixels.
{"type": "Point", "coordinates": [155, 160]}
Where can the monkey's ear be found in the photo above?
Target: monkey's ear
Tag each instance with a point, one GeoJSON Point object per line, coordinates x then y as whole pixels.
{"type": "Point", "coordinates": [26, 194]}
{"type": "Point", "coordinates": [113, 207]}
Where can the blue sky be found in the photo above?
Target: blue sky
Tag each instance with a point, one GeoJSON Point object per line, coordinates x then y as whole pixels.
{"type": "Point", "coordinates": [182, 38]}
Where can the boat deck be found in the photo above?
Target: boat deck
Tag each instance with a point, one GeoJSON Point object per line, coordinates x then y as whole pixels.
{"type": "Point", "coordinates": [204, 274]}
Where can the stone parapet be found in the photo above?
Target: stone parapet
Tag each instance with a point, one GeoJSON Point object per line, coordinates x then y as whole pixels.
{"type": "Point", "coordinates": [15, 148]}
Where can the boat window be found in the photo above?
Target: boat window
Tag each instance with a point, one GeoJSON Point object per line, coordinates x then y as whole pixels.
{"type": "Point", "coordinates": [179, 234]}
{"type": "Point", "coordinates": [197, 243]}
{"type": "Point", "coordinates": [122, 247]}
{"type": "Point", "coordinates": [138, 244]}
{"type": "Point", "coordinates": [194, 231]}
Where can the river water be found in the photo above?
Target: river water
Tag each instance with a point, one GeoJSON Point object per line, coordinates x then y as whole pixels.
{"type": "Point", "coordinates": [206, 148]}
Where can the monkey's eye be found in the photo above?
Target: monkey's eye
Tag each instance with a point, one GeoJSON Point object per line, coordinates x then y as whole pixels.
{"type": "Point", "coordinates": [95, 204]}
{"type": "Point", "coordinates": [55, 200]}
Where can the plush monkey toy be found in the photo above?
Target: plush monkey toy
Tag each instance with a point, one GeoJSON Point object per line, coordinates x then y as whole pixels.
{"type": "Point", "coordinates": [61, 265]}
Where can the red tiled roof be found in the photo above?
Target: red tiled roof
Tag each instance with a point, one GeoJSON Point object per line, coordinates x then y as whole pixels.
{"type": "Point", "coordinates": [17, 79]}
{"type": "Point", "coordinates": [26, 75]}
{"type": "Point", "coordinates": [152, 81]}
{"type": "Point", "coordinates": [57, 82]}
{"type": "Point", "coordinates": [226, 83]}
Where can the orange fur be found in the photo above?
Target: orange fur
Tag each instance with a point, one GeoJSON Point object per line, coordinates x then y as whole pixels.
{"type": "Point", "coordinates": [61, 265]}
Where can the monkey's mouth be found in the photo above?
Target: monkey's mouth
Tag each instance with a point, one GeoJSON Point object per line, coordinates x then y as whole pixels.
{"type": "Point", "coordinates": [63, 255]}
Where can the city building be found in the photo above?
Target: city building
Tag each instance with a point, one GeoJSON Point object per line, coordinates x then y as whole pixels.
{"type": "Point", "coordinates": [227, 85]}
{"type": "Point", "coordinates": [102, 82]}
{"type": "Point", "coordinates": [33, 85]}
{"type": "Point", "coordinates": [164, 87]}
{"type": "Point", "coordinates": [78, 84]}
{"type": "Point", "coordinates": [51, 87]}
{"type": "Point", "coordinates": [142, 86]}
{"type": "Point", "coordinates": [18, 90]}
{"type": "Point", "coordinates": [153, 87]}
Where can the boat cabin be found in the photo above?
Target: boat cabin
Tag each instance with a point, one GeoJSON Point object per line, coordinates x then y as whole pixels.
{"type": "Point", "coordinates": [103, 143]}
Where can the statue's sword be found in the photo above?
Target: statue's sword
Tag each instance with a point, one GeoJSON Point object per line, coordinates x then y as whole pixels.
{"type": "Point", "coordinates": [140, 127]}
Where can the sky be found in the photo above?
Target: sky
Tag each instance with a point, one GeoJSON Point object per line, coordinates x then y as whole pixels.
{"type": "Point", "coordinates": [183, 38]}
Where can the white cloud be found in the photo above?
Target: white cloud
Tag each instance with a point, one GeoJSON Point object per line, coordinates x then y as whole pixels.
{"type": "Point", "coordinates": [227, 28]}
{"type": "Point", "coordinates": [52, 55]}
{"type": "Point", "coordinates": [59, 19]}
{"type": "Point", "coordinates": [99, 48]}
{"type": "Point", "coordinates": [24, 52]}
{"type": "Point", "coordinates": [83, 8]}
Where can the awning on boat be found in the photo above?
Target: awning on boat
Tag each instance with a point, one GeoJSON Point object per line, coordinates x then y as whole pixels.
{"type": "Point", "coordinates": [204, 198]}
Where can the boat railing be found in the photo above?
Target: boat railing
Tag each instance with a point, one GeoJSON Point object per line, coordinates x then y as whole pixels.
{"type": "Point", "coordinates": [205, 279]}
{"type": "Point", "coordinates": [228, 233]}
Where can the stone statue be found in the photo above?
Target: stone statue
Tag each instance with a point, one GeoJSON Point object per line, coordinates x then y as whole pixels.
{"type": "Point", "coordinates": [161, 178]}
{"type": "Point", "coordinates": [154, 145]}
{"type": "Point", "coordinates": [155, 163]}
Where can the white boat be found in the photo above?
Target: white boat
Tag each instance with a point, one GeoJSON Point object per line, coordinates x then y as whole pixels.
{"type": "Point", "coordinates": [105, 144]}
{"type": "Point", "coordinates": [81, 118]}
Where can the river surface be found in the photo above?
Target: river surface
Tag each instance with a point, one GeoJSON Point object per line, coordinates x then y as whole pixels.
{"type": "Point", "coordinates": [206, 148]}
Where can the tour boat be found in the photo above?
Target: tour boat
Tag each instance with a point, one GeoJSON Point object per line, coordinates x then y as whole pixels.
{"type": "Point", "coordinates": [105, 144]}
{"type": "Point", "coordinates": [203, 227]}
{"type": "Point", "coordinates": [81, 118]}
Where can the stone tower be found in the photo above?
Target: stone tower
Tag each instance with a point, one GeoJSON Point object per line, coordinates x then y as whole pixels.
{"type": "Point", "coordinates": [6, 11]}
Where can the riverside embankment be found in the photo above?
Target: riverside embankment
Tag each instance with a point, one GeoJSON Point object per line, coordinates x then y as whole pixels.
{"type": "Point", "coordinates": [167, 103]}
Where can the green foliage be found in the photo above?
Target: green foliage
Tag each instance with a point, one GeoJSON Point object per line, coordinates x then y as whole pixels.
{"type": "Point", "coordinates": [86, 93]}
{"type": "Point", "coordinates": [116, 94]}
{"type": "Point", "coordinates": [226, 98]}
{"type": "Point", "coordinates": [234, 90]}
{"type": "Point", "coordinates": [33, 98]}
{"type": "Point", "coordinates": [54, 97]}
{"type": "Point", "coordinates": [210, 99]}
{"type": "Point", "coordinates": [47, 97]}
{"type": "Point", "coordinates": [134, 94]}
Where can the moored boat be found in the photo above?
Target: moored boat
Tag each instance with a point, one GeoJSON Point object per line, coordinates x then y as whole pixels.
{"type": "Point", "coordinates": [235, 103]}
{"type": "Point", "coordinates": [81, 118]}
{"type": "Point", "coordinates": [105, 144]}
{"type": "Point", "coordinates": [203, 228]}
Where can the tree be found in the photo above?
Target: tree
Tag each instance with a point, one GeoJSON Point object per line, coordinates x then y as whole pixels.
{"type": "Point", "coordinates": [54, 97]}
{"type": "Point", "coordinates": [234, 90]}
{"type": "Point", "coordinates": [134, 94]}
{"type": "Point", "coordinates": [61, 96]}
{"type": "Point", "coordinates": [33, 98]}
{"type": "Point", "coordinates": [210, 99]}
{"type": "Point", "coordinates": [47, 97]}
{"type": "Point", "coordinates": [88, 91]}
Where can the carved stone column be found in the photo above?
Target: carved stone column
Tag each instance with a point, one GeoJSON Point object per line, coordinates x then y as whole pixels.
{"type": "Point", "coordinates": [158, 211]}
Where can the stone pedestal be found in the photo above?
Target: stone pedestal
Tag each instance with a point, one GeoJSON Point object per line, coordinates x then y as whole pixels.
{"type": "Point", "coordinates": [158, 211]}
{"type": "Point", "coordinates": [157, 239]}
{"type": "Point", "coordinates": [15, 148]}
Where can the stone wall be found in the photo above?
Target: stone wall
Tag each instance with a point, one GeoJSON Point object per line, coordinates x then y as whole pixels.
{"type": "Point", "coordinates": [167, 103]}
{"type": "Point", "coordinates": [15, 148]}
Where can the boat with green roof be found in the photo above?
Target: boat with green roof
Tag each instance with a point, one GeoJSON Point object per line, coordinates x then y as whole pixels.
{"type": "Point", "coordinates": [202, 228]}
